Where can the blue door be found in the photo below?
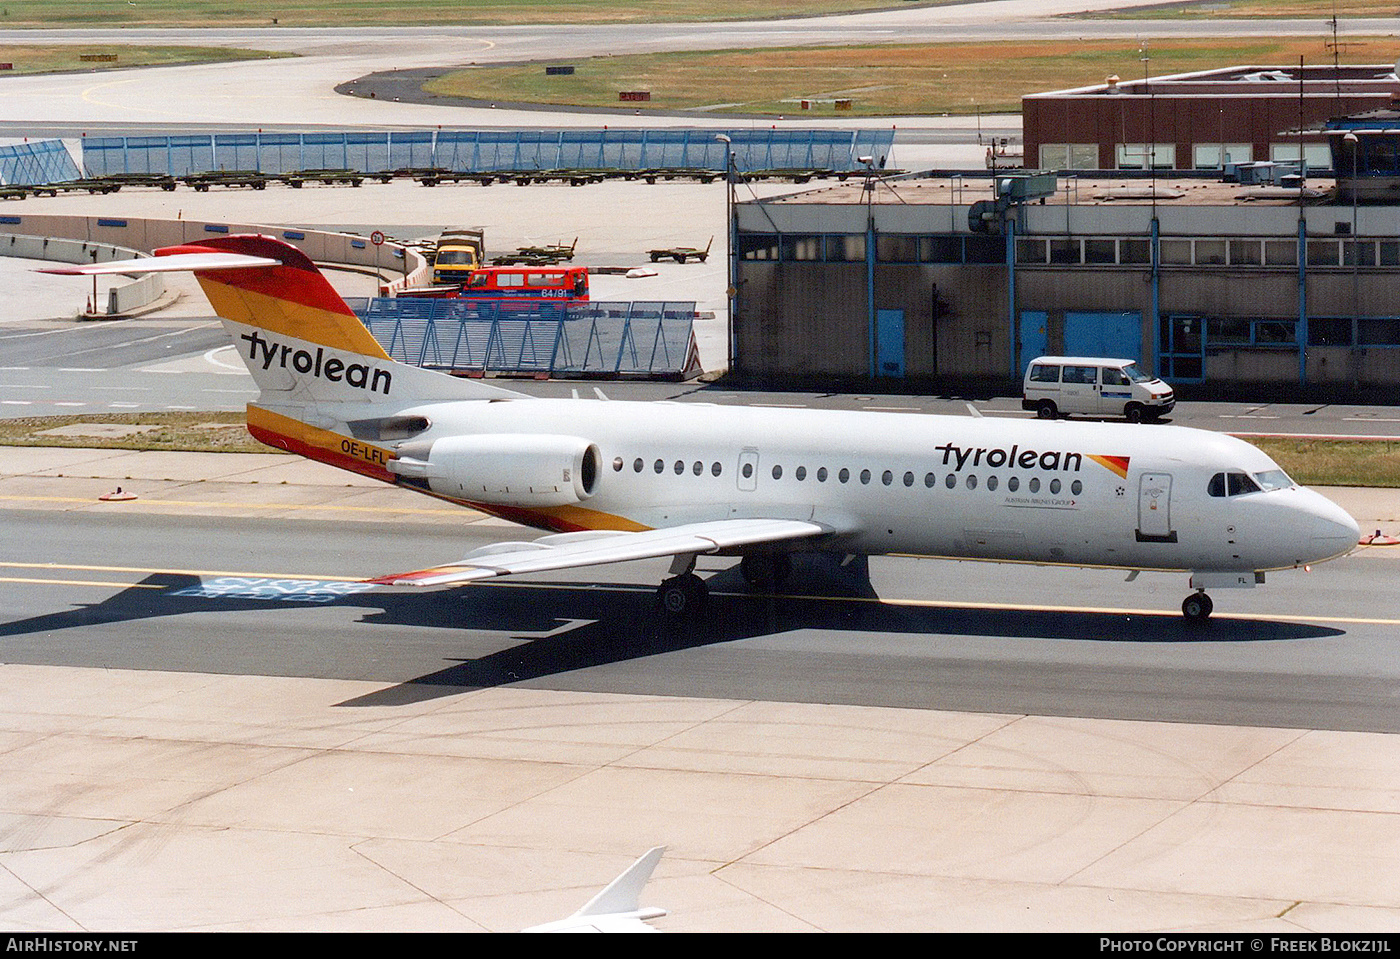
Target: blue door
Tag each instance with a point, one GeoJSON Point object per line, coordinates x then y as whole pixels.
{"type": "Point", "coordinates": [889, 337]}
{"type": "Point", "coordinates": [1104, 334]}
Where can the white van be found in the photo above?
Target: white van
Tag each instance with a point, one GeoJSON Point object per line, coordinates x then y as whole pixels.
{"type": "Point", "coordinates": [1060, 385]}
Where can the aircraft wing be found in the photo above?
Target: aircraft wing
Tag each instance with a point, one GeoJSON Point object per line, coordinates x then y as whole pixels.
{"type": "Point", "coordinates": [593, 548]}
{"type": "Point", "coordinates": [177, 263]}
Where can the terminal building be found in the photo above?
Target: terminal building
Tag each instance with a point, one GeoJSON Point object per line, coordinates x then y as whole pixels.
{"type": "Point", "coordinates": [1286, 279]}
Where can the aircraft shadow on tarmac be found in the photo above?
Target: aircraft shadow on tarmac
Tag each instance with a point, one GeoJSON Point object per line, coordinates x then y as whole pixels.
{"type": "Point", "coordinates": [516, 632]}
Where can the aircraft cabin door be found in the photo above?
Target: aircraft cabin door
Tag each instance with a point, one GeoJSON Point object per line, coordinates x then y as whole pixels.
{"type": "Point", "coordinates": [1154, 508]}
{"type": "Point", "coordinates": [748, 470]}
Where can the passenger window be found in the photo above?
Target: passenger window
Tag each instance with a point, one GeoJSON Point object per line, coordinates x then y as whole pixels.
{"type": "Point", "coordinates": [908, 479]}
{"type": "Point", "coordinates": [698, 468]}
{"type": "Point", "coordinates": [617, 465]}
{"type": "Point", "coordinates": [1013, 484]}
{"type": "Point", "coordinates": [821, 474]}
{"type": "Point", "coordinates": [887, 477]}
{"type": "Point", "coordinates": [1081, 374]}
{"type": "Point", "coordinates": [844, 475]}
{"type": "Point", "coordinates": [716, 469]}
{"type": "Point", "coordinates": [929, 480]}
{"type": "Point", "coordinates": [865, 477]}
{"type": "Point", "coordinates": [637, 465]}
{"type": "Point", "coordinates": [777, 472]}
{"type": "Point", "coordinates": [801, 473]}
{"type": "Point", "coordinates": [1042, 373]}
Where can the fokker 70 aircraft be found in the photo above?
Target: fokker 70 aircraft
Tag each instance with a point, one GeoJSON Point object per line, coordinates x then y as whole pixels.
{"type": "Point", "coordinates": [618, 481]}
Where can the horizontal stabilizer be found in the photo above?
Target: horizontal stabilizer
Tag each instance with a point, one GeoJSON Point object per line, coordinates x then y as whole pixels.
{"type": "Point", "coordinates": [570, 550]}
{"type": "Point", "coordinates": [178, 263]}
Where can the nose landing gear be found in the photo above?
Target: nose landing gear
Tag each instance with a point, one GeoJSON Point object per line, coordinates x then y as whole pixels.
{"type": "Point", "coordinates": [1197, 607]}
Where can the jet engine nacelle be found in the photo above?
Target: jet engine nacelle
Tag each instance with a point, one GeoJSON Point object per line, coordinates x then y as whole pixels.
{"type": "Point", "coordinates": [507, 469]}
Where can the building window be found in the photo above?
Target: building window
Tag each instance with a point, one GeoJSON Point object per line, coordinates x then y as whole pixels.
{"type": "Point", "coordinates": [1030, 252]}
{"type": "Point", "coordinates": [758, 246]}
{"type": "Point", "coordinates": [1358, 253]}
{"type": "Point", "coordinates": [1378, 331]}
{"type": "Point", "coordinates": [845, 248]}
{"type": "Point", "coordinates": [802, 247]}
{"type": "Point", "coordinates": [896, 248]}
{"type": "Point", "coordinates": [1214, 156]}
{"type": "Point", "coordinates": [1323, 253]}
{"type": "Point", "coordinates": [1245, 253]}
{"type": "Point", "coordinates": [1064, 251]}
{"type": "Point", "coordinates": [1280, 252]}
{"type": "Point", "coordinates": [1210, 252]}
{"type": "Point", "coordinates": [940, 249]}
{"type": "Point", "coordinates": [1141, 156]}
{"type": "Point", "coordinates": [1100, 251]}
{"type": "Point", "coordinates": [1135, 251]}
{"type": "Point", "coordinates": [1316, 156]}
{"type": "Point", "coordinates": [1175, 252]}
{"type": "Point", "coordinates": [1069, 156]}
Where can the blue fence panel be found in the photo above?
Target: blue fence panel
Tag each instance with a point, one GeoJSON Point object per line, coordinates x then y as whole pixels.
{"type": "Point", "coordinates": [410, 150]}
{"type": "Point", "coordinates": [486, 150]}
{"type": "Point", "coordinates": [44, 161]}
{"type": "Point", "coordinates": [468, 336]}
{"type": "Point", "coordinates": [278, 153]}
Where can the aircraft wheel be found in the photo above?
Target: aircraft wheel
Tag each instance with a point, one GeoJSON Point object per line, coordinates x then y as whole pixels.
{"type": "Point", "coordinates": [766, 570]}
{"type": "Point", "coordinates": [1197, 607]}
{"type": "Point", "coordinates": [683, 597]}
{"type": "Point", "coordinates": [1046, 410]}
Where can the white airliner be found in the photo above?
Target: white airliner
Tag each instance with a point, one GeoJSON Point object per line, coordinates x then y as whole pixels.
{"type": "Point", "coordinates": [619, 481]}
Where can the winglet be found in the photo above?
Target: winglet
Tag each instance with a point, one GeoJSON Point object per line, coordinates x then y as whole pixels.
{"type": "Point", "coordinates": [624, 894]}
{"type": "Point", "coordinates": [618, 907]}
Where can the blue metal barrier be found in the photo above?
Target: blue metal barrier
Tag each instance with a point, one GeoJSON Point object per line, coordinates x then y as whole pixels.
{"type": "Point", "coordinates": [646, 339]}
{"type": "Point", "coordinates": [43, 161]}
{"type": "Point", "coordinates": [484, 151]}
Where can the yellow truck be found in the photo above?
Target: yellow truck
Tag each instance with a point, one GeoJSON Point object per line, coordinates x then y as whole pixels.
{"type": "Point", "coordinates": [459, 252]}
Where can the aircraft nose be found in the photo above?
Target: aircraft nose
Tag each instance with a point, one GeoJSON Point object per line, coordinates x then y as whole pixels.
{"type": "Point", "coordinates": [1334, 532]}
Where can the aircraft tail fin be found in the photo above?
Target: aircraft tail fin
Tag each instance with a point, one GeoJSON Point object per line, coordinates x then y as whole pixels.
{"type": "Point", "coordinates": [298, 336]}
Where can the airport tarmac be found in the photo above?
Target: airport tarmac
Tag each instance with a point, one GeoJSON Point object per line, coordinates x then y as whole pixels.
{"type": "Point", "coordinates": [178, 799]}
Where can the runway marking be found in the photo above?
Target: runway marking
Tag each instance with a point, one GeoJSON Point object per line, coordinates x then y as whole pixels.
{"type": "Point", "coordinates": [76, 582]}
{"type": "Point", "coordinates": [884, 601]}
{"type": "Point", "coordinates": [150, 571]}
{"type": "Point", "coordinates": [287, 506]}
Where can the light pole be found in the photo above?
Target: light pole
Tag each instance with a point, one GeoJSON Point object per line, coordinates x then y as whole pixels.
{"type": "Point", "coordinates": [730, 291]}
{"type": "Point", "coordinates": [1354, 144]}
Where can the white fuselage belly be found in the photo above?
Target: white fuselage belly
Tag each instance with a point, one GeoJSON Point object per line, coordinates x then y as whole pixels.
{"type": "Point", "coordinates": [979, 488]}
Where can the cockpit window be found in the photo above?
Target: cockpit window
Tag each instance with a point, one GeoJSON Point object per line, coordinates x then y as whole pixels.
{"type": "Point", "coordinates": [1240, 483]}
{"type": "Point", "coordinates": [1273, 479]}
{"type": "Point", "coordinates": [1237, 484]}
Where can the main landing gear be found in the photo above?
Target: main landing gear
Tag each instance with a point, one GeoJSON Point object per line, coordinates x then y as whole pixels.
{"type": "Point", "coordinates": [684, 595]}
